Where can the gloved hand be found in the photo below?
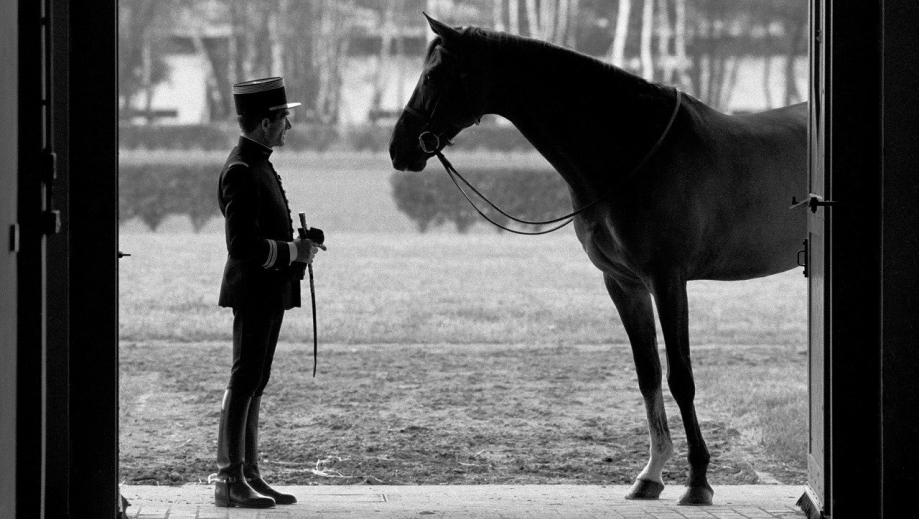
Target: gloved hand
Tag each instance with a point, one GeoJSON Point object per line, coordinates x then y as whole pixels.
{"type": "Point", "coordinates": [306, 250]}
{"type": "Point", "coordinates": [315, 235]}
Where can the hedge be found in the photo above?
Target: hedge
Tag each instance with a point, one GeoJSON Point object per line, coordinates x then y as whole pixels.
{"type": "Point", "coordinates": [220, 137]}
{"type": "Point", "coordinates": [431, 199]}
{"type": "Point", "coordinates": [153, 191]}
{"type": "Point", "coordinates": [306, 137]}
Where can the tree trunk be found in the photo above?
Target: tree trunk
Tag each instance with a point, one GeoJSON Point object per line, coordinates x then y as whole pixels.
{"type": "Point", "coordinates": [792, 95]}
{"type": "Point", "coordinates": [387, 34]}
{"type": "Point", "coordinates": [561, 31]}
{"type": "Point", "coordinates": [532, 18]}
{"type": "Point", "coordinates": [513, 16]}
{"type": "Point", "coordinates": [679, 44]}
{"type": "Point", "coordinates": [767, 74]}
{"type": "Point", "coordinates": [547, 19]}
{"type": "Point", "coordinates": [497, 15]}
{"type": "Point", "coordinates": [571, 37]}
{"type": "Point", "coordinates": [647, 31]}
{"type": "Point", "coordinates": [147, 58]}
{"type": "Point", "coordinates": [731, 72]}
{"type": "Point", "coordinates": [664, 36]}
{"type": "Point", "coordinates": [621, 36]}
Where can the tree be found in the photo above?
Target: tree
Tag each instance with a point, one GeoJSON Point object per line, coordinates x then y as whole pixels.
{"type": "Point", "coordinates": [620, 34]}
{"type": "Point", "coordinates": [314, 39]}
{"type": "Point", "coordinates": [140, 60]}
{"type": "Point", "coordinates": [549, 20]}
{"type": "Point", "coordinates": [647, 30]}
{"type": "Point", "coordinates": [700, 43]}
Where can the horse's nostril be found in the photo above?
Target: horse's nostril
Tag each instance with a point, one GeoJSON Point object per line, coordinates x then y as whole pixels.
{"type": "Point", "coordinates": [399, 163]}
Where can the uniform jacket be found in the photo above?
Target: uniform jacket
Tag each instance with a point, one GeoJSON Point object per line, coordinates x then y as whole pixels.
{"type": "Point", "coordinates": [258, 226]}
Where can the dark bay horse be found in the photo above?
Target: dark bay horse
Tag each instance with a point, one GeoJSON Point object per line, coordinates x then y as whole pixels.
{"type": "Point", "coordinates": [679, 191]}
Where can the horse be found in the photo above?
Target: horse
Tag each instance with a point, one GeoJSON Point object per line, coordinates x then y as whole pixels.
{"type": "Point", "coordinates": [669, 190]}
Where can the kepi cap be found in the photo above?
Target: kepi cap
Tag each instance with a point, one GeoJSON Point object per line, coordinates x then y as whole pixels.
{"type": "Point", "coordinates": [260, 95]}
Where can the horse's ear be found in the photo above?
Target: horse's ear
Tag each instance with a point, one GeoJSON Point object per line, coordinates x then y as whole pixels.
{"type": "Point", "coordinates": [441, 29]}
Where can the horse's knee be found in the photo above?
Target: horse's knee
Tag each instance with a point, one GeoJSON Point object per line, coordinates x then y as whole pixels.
{"type": "Point", "coordinates": [682, 386]}
{"type": "Point", "coordinates": [649, 384]}
{"type": "Point", "coordinates": [648, 369]}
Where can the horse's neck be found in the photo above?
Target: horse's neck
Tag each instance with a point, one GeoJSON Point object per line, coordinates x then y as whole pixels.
{"type": "Point", "coordinates": [591, 122]}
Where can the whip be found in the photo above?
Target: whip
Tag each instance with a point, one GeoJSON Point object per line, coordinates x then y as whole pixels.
{"type": "Point", "coordinates": [303, 235]}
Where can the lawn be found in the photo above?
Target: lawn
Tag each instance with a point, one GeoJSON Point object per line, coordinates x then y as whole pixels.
{"type": "Point", "coordinates": [444, 358]}
{"type": "Point", "coordinates": [479, 358]}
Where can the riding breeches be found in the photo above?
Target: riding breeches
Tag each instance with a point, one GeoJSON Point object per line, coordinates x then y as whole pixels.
{"type": "Point", "coordinates": [255, 337]}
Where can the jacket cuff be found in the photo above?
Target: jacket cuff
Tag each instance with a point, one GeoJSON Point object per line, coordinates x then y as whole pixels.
{"type": "Point", "coordinates": [272, 254]}
{"type": "Point", "coordinates": [280, 254]}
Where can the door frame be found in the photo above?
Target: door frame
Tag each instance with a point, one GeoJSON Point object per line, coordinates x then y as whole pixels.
{"type": "Point", "coordinates": [92, 201]}
{"type": "Point", "coordinates": [59, 404]}
{"type": "Point", "coordinates": [65, 345]}
{"type": "Point", "coordinates": [871, 261]}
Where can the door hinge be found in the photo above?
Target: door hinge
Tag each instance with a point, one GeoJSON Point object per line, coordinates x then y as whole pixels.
{"type": "Point", "coordinates": [806, 253]}
{"type": "Point", "coordinates": [14, 238]}
{"type": "Point", "coordinates": [50, 218]}
{"type": "Point", "coordinates": [49, 167]}
{"type": "Point", "coordinates": [51, 222]}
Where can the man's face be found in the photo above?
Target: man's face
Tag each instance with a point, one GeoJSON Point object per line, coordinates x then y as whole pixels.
{"type": "Point", "coordinates": [274, 133]}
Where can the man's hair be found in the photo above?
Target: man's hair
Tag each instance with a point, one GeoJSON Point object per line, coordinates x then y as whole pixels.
{"type": "Point", "coordinates": [249, 122]}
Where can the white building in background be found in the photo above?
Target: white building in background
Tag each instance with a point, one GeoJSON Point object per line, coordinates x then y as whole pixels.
{"type": "Point", "coordinates": [185, 92]}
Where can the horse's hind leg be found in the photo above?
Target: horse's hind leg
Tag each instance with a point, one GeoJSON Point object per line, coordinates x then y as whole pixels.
{"type": "Point", "coordinates": [673, 308]}
{"type": "Point", "coordinates": [633, 301]}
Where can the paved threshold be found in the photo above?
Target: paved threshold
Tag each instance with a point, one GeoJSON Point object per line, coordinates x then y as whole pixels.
{"type": "Point", "coordinates": [469, 501]}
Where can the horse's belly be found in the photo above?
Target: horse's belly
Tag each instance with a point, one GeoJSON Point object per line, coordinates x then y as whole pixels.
{"type": "Point", "coordinates": [745, 252]}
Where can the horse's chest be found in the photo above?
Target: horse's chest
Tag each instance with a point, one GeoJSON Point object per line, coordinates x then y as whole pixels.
{"type": "Point", "coordinates": [604, 248]}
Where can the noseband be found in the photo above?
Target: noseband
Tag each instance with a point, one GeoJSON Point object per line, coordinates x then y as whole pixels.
{"type": "Point", "coordinates": [428, 141]}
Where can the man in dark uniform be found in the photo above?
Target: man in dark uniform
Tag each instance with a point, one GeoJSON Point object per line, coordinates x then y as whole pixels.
{"type": "Point", "coordinates": [260, 281]}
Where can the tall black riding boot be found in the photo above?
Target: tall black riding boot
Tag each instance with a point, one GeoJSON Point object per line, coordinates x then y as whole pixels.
{"type": "Point", "coordinates": [231, 488]}
{"type": "Point", "coordinates": [250, 469]}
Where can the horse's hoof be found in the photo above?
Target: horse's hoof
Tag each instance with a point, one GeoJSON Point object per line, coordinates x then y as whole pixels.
{"type": "Point", "coordinates": [645, 489]}
{"type": "Point", "coordinates": [697, 496]}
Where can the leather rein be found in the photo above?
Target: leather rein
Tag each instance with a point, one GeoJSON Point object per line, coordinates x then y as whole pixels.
{"type": "Point", "coordinates": [433, 143]}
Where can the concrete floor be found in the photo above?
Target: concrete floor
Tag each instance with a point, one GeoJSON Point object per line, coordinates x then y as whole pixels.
{"type": "Point", "coordinates": [469, 501]}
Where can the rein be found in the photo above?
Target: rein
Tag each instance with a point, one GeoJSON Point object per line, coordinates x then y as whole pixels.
{"type": "Point", "coordinates": [454, 174]}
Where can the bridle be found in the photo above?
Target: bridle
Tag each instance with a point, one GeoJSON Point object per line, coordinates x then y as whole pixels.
{"type": "Point", "coordinates": [433, 143]}
{"type": "Point", "coordinates": [429, 140]}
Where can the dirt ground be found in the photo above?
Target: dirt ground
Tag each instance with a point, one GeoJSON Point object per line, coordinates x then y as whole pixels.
{"type": "Point", "coordinates": [435, 414]}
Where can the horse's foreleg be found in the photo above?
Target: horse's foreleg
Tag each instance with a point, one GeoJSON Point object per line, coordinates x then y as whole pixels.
{"type": "Point", "coordinates": [673, 309]}
{"type": "Point", "coordinates": [633, 301]}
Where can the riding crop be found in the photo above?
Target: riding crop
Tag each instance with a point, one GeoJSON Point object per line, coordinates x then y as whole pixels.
{"type": "Point", "coordinates": [303, 235]}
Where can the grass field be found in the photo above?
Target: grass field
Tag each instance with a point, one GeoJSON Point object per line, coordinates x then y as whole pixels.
{"type": "Point", "coordinates": [477, 358]}
{"type": "Point", "coordinates": [440, 288]}
{"type": "Point", "coordinates": [445, 358]}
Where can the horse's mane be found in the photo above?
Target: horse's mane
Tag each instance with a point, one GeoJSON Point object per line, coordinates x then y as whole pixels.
{"type": "Point", "coordinates": [572, 80]}
{"type": "Point", "coordinates": [551, 54]}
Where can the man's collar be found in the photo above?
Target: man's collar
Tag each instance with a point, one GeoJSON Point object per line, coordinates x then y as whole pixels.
{"type": "Point", "coordinates": [247, 144]}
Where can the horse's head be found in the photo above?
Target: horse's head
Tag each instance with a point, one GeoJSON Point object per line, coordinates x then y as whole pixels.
{"type": "Point", "coordinates": [449, 97]}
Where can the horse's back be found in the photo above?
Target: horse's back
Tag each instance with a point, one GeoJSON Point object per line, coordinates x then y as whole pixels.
{"type": "Point", "coordinates": [789, 121]}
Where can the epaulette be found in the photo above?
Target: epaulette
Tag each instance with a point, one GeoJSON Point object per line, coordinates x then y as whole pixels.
{"type": "Point", "coordinates": [237, 163]}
